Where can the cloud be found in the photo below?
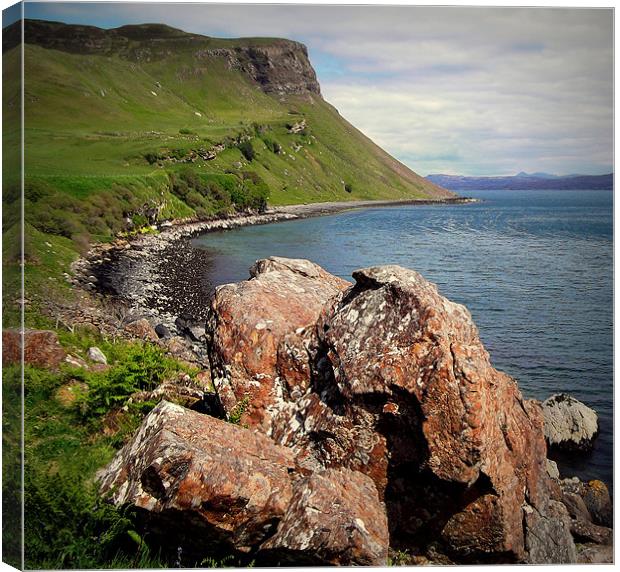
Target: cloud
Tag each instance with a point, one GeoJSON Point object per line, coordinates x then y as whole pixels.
{"type": "Point", "coordinates": [469, 90]}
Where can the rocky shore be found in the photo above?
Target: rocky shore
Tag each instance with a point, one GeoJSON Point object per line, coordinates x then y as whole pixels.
{"type": "Point", "coordinates": [339, 423]}
{"type": "Point", "coordinates": [161, 276]}
{"type": "Point", "coordinates": [368, 420]}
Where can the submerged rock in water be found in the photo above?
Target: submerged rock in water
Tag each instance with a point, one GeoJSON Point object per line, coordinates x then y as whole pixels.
{"type": "Point", "coordinates": [569, 424]}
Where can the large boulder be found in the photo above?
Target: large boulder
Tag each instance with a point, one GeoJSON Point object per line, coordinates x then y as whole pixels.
{"type": "Point", "coordinates": [569, 424]}
{"type": "Point", "coordinates": [463, 454]}
{"type": "Point", "coordinates": [41, 348]}
{"type": "Point", "coordinates": [258, 332]}
{"type": "Point", "coordinates": [335, 517]}
{"type": "Point", "coordinates": [211, 487]}
{"type": "Point", "coordinates": [389, 378]}
{"type": "Point", "coordinates": [203, 481]}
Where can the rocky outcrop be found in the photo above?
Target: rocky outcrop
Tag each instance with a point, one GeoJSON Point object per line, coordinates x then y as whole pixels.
{"type": "Point", "coordinates": [41, 348]}
{"type": "Point", "coordinates": [279, 66]}
{"type": "Point", "coordinates": [392, 381]}
{"type": "Point", "coordinates": [569, 424]}
{"type": "Point", "coordinates": [211, 487]}
{"type": "Point", "coordinates": [373, 417]}
{"type": "Point", "coordinates": [590, 518]}
{"type": "Point", "coordinates": [587, 501]}
{"type": "Point", "coordinates": [258, 335]}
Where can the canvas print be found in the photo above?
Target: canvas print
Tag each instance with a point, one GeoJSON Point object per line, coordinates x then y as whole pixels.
{"type": "Point", "coordinates": [306, 285]}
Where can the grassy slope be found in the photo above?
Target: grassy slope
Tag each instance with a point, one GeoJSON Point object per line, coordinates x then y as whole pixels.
{"type": "Point", "coordinates": [92, 115]}
{"type": "Point", "coordinates": [90, 120]}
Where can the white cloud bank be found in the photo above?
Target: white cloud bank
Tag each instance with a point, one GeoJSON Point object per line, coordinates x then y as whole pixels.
{"type": "Point", "coordinates": [452, 90]}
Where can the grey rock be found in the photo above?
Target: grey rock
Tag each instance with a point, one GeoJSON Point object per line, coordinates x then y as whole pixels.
{"type": "Point", "coordinates": [552, 469]}
{"type": "Point", "coordinates": [576, 506]}
{"type": "Point", "coordinates": [162, 331]}
{"type": "Point", "coordinates": [546, 538]}
{"type": "Point", "coordinates": [584, 531]}
{"type": "Point", "coordinates": [595, 554]}
{"type": "Point", "coordinates": [96, 355]}
{"type": "Point", "coordinates": [569, 424]}
{"type": "Point", "coordinates": [196, 333]}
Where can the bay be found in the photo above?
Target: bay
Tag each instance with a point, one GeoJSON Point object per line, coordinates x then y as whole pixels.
{"type": "Point", "coordinates": [535, 269]}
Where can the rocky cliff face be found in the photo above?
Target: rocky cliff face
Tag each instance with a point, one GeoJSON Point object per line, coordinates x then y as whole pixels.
{"type": "Point", "coordinates": [278, 66]}
{"type": "Point", "coordinates": [389, 382]}
{"type": "Point", "coordinates": [281, 67]}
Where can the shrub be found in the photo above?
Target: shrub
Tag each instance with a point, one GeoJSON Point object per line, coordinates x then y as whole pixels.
{"type": "Point", "coordinates": [143, 368]}
{"type": "Point", "coordinates": [252, 193]}
{"type": "Point", "coordinates": [272, 145]}
{"type": "Point", "coordinates": [247, 150]}
{"type": "Point", "coordinates": [151, 158]}
{"type": "Point", "coordinates": [35, 190]}
{"type": "Point", "coordinates": [348, 187]}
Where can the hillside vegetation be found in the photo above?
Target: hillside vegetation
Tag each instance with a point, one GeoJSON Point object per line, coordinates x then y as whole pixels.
{"type": "Point", "coordinates": [124, 129]}
{"type": "Point", "coordinates": [128, 127]}
{"type": "Point", "coordinates": [122, 113]}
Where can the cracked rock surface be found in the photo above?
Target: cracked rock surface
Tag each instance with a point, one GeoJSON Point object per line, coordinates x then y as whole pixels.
{"type": "Point", "coordinates": [208, 485]}
{"type": "Point", "coordinates": [379, 395]}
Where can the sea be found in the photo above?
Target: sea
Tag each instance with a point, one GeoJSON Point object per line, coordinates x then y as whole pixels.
{"type": "Point", "coordinates": [534, 267]}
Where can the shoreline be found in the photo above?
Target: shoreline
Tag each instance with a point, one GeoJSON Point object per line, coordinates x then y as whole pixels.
{"type": "Point", "coordinates": [162, 276]}
{"type": "Point", "coordinates": [317, 209]}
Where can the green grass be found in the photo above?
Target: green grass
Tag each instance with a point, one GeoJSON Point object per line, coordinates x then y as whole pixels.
{"type": "Point", "coordinates": [75, 421]}
{"type": "Point", "coordinates": [67, 524]}
{"type": "Point", "coordinates": [98, 133]}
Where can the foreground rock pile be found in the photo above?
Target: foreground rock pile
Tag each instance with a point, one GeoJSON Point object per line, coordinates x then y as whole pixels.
{"type": "Point", "coordinates": [371, 417]}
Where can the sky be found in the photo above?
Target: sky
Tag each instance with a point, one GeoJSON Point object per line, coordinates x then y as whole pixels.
{"type": "Point", "coordinates": [456, 90]}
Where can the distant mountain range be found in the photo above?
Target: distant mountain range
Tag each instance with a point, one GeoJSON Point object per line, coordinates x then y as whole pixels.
{"type": "Point", "coordinates": [525, 181]}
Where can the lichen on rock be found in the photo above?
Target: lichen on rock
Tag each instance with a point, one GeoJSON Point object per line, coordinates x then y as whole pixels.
{"type": "Point", "coordinates": [382, 387]}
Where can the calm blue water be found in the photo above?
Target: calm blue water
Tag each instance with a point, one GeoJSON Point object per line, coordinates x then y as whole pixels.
{"type": "Point", "coordinates": [535, 268]}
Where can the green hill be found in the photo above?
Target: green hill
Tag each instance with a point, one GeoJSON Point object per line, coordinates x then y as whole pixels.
{"type": "Point", "coordinates": [118, 103]}
{"type": "Point", "coordinates": [127, 126]}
